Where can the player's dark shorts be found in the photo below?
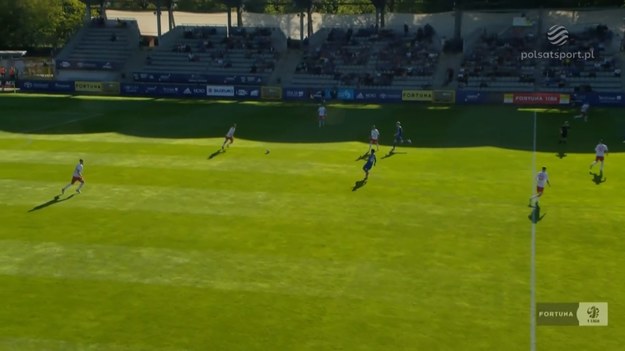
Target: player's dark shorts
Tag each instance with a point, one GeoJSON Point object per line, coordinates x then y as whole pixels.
{"type": "Point", "coordinates": [367, 166]}
{"type": "Point", "coordinates": [564, 134]}
{"type": "Point", "coordinates": [398, 140]}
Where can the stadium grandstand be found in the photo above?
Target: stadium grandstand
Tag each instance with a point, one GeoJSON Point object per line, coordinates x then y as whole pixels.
{"type": "Point", "coordinates": [101, 46]}
{"type": "Point", "coordinates": [601, 72]}
{"type": "Point", "coordinates": [494, 63]}
{"type": "Point", "coordinates": [193, 50]}
{"type": "Point", "coordinates": [367, 57]}
{"type": "Point", "coordinates": [468, 50]}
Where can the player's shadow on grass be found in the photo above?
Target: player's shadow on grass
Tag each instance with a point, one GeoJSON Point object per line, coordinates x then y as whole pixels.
{"type": "Point", "coordinates": [216, 153]}
{"type": "Point", "coordinates": [561, 154]}
{"type": "Point", "coordinates": [392, 153]}
{"type": "Point", "coordinates": [598, 178]}
{"type": "Point", "coordinates": [363, 156]}
{"type": "Point", "coordinates": [359, 184]}
{"type": "Point", "coordinates": [55, 200]}
{"type": "Point", "coordinates": [535, 216]}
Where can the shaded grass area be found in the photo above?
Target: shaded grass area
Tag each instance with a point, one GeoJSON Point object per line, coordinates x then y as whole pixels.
{"type": "Point", "coordinates": [453, 126]}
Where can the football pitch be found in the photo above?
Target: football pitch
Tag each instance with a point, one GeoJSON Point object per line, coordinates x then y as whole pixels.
{"type": "Point", "coordinates": [173, 245]}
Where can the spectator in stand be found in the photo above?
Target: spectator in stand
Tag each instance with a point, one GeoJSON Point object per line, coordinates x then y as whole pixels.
{"type": "Point", "coordinates": [2, 77]}
{"type": "Point", "coordinates": [98, 22]}
{"type": "Point", "coordinates": [405, 29]}
{"type": "Point", "coordinates": [450, 76]}
{"type": "Point", "coordinates": [113, 37]}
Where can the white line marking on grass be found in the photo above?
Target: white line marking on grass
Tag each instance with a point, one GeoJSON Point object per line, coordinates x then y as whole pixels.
{"type": "Point", "coordinates": [28, 132]}
{"type": "Point", "coordinates": [54, 125]}
{"type": "Point", "coordinates": [533, 255]}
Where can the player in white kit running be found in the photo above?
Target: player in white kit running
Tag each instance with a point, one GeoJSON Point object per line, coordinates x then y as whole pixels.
{"type": "Point", "coordinates": [542, 178]}
{"type": "Point", "coordinates": [375, 135]}
{"type": "Point", "coordinates": [601, 150]}
{"type": "Point", "coordinates": [229, 136]}
{"type": "Point", "coordinates": [76, 177]}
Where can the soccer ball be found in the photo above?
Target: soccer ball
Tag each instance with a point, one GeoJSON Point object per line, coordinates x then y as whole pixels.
{"type": "Point", "coordinates": [409, 141]}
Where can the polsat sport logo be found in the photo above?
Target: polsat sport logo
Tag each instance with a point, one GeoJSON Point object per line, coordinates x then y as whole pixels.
{"type": "Point", "coordinates": [558, 35]}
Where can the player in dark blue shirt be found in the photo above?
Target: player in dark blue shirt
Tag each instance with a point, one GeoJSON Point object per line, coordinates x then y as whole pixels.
{"type": "Point", "coordinates": [370, 163]}
{"type": "Point", "coordinates": [564, 132]}
{"type": "Point", "coordinates": [398, 137]}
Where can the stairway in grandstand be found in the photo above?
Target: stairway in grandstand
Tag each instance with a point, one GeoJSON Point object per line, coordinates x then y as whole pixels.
{"type": "Point", "coordinates": [286, 67]}
{"type": "Point", "coordinates": [99, 50]}
{"type": "Point", "coordinates": [446, 61]}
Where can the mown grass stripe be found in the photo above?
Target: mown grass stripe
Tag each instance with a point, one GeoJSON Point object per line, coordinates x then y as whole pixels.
{"type": "Point", "coordinates": [38, 344]}
{"type": "Point", "coordinates": [224, 271]}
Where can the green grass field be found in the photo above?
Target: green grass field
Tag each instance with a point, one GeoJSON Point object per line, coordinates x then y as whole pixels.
{"type": "Point", "coordinates": [169, 249]}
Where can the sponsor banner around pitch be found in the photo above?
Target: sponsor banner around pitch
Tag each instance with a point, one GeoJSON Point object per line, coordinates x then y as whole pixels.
{"type": "Point", "coordinates": [295, 94]}
{"type": "Point", "coordinates": [444, 96]}
{"type": "Point", "coordinates": [345, 94]}
{"type": "Point", "coordinates": [583, 314]}
{"type": "Point", "coordinates": [417, 95]}
{"type": "Point", "coordinates": [271, 93]}
{"type": "Point", "coordinates": [190, 91]}
{"type": "Point", "coordinates": [104, 88]}
{"type": "Point", "coordinates": [88, 65]}
{"type": "Point", "coordinates": [213, 79]}
{"type": "Point", "coordinates": [247, 93]}
{"type": "Point", "coordinates": [610, 99]}
{"type": "Point", "coordinates": [599, 99]}
{"type": "Point", "coordinates": [380, 96]}
{"type": "Point", "coordinates": [470, 97]}
{"type": "Point", "coordinates": [220, 90]}
{"type": "Point", "coordinates": [536, 99]}
{"type": "Point", "coordinates": [88, 87]}
{"type": "Point", "coordinates": [111, 88]}
{"type": "Point", "coordinates": [156, 90]}
{"type": "Point", "coordinates": [47, 86]}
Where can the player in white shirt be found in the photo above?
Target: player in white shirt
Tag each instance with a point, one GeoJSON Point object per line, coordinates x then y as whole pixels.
{"type": "Point", "coordinates": [229, 136]}
{"type": "Point", "coordinates": [601, 150]}
{"type": "Point", "coordinates": [584, 111]}
{"type": "Point", "coordinates": [76, 177]}
{"type": "Point", "coordinates": [375, 135]}
{"type": "Point", "coordinates": [321, 111]}
{"type": "Point", "coordinates": [541, 179]}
